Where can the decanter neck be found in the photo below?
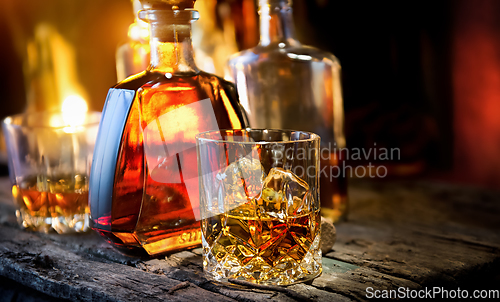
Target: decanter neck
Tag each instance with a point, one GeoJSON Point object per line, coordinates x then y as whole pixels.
{"type": "Point", "coordinates": [276, 22]}
{"type": "Point", "coordinates": [170, 41]}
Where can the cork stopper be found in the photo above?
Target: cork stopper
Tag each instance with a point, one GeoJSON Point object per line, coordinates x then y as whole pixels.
{"type": "Point", "coordinates": [167, 4]}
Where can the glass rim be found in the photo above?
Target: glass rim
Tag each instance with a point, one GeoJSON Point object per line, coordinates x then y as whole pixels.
{"type": "Point", "coordinates": [312, 136]}
{"type": "Point", "coordinates": [182, 16]}
{"type": "Point", "coordinates": [9, 120]}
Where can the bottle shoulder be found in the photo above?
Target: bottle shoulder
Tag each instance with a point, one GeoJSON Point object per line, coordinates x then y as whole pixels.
{"type": "Point", "coordinates": [148, 79]}
{"type": "Point", "coordinates": [157, 93]}
{"type": "Point", "coordinates": [138, 80]}
{"type": "Point", "coordinates": [291, 53]}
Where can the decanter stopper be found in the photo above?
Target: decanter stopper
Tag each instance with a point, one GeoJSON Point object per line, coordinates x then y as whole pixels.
{"type": "Point", "coordinates": [167, 4]}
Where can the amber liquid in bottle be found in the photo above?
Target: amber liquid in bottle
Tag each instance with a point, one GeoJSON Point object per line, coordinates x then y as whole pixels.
{"type": "Point", "coordinates": [155, 202]}
{"type": "Point", "coordinates": [333, 184]}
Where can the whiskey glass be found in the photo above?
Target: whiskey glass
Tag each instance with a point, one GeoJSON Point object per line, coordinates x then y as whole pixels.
{"type": "Point", "coordinates": [49, 160]}
{"type": "Point", "coordinates": [260, 206]}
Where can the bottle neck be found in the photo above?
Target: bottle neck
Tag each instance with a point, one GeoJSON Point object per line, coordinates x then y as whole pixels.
{"type": "Point", "coordinates": [276, 22]}
{"type": "Point", "coordinates": [170, 42]}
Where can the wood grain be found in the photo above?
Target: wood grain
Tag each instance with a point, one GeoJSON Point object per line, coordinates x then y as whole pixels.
{"type": "Point", "coordinates": [400, 234]}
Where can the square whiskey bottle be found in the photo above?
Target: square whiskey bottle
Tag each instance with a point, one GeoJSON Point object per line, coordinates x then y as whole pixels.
{"type": "Point", "coordinates": [143, 188]}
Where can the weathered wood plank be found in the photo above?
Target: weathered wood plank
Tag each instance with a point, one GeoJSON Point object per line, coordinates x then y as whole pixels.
{"type": "Point", "coordinates": [42, 265]}
{"type": "Point", "coordinates": [188, 265]}
{"type": "Point", "coordinates": [418, 257]}
{"type": "Point", "coordinates": [422, 232]}
{"type": "Point", "coordinates": [409, 234]}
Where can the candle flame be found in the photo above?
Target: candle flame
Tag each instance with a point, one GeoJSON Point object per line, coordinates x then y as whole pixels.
{"type": "Point", "coordinates": [74, 110]}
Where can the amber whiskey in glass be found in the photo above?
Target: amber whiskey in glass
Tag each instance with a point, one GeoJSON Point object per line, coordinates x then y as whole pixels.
{"type": "Point", "coordinates": [143, 193]}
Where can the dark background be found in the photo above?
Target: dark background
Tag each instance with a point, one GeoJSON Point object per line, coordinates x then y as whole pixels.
{"type": "Point", "coordinates": [422, 76]}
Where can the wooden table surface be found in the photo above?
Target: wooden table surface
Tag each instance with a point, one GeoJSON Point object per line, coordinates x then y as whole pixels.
{"type": "Point", "coordinates": [410, 234]}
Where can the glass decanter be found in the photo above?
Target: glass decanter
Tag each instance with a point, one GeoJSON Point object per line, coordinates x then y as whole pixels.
{"type": "Point", "coordinates": [283, 84]}
{"type": "Point", "coordinates": [144, 180]}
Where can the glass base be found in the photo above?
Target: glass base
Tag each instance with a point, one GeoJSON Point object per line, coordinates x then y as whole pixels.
{"type": "Point", "coordinates": [285, 271]}
{"type": "Point", "coordinates": [77, 223]}
{"type": "Point", "coordinates": [280, 280]}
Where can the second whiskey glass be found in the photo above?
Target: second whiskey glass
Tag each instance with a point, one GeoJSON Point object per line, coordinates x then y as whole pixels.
{"type": "Point", "coordinates": [49, 163]}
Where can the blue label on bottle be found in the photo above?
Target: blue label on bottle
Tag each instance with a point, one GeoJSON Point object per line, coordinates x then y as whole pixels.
{"type": "Point", "coordinates": [102, 174]}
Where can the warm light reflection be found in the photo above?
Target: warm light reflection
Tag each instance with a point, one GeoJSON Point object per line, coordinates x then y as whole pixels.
{"type": "Point", "coordinates": [74, 110]}
{"type": "Point", "coordinates": [15, 191]}
{"type": "Point", "coordinates": [183, 123]}
{"type": "Point", "coordinates": [59, 198]}
{"type": "Point", "coordinates": [27, 201]}
{"type": "Point", "coordinates": [138, 31]}
{"type": "Point", "coordinates": [299, 57]}
{"type": "Point", "coordinates": [233, 117]}
{"type": "Point", "coordinates": [241, 85]}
